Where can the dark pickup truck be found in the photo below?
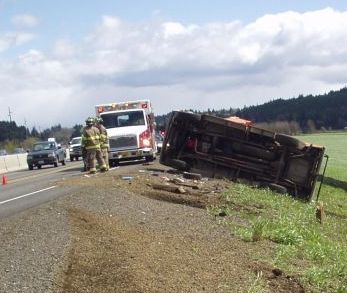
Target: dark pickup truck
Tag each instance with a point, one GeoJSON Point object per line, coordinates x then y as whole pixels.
{"type": "Point", "coordinates": [235, 149]}
{"type": "Point", "coordinates": [46, 153]}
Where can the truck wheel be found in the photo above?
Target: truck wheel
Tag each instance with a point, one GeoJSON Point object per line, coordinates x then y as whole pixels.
{"type": "Point", "coordinates": [178, 164]}
{"type": "Point", "coordinates": [31, 167]}
{"type": "Point", "coordinates": [278, 188]}
{"type": "Point", "coordinates": [39, 166]}
{"type": "Point", "coordinates": [71, 158]}
{"type": "Point", "coordinates": [289, 141]}
{"type": "Point", "coordinates": [188, 116]}
{"type": "Point", "coordinates": [77, 158]}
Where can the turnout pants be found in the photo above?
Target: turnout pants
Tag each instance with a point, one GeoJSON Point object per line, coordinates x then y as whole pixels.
{"type": "Point", "coordinates": [93, 154]}
{"type": "Point", "coordinates": [104, 152]}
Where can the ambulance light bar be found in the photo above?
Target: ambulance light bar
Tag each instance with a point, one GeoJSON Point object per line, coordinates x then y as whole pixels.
{"type": "Point", "coordinates": [122, 106]}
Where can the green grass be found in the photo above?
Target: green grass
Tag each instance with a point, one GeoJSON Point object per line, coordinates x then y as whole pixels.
{"type": "Point", "coordinates": [303, 247]}
{"type": "Point", "coordinates": [334, 190]}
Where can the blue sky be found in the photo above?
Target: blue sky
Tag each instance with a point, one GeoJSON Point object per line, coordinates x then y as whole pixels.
{"type": "Point", "coordinates": [181, 54]}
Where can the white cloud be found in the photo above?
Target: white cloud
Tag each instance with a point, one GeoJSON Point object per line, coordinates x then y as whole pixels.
{"type": "Point", "coordinates": [8, 40]}
{"type": "Point", "coordinates": [64, 49]}
{"type": "Point", "coordinates": [178, 65]}
{"type": "Point", "coordinates": [25, 21]}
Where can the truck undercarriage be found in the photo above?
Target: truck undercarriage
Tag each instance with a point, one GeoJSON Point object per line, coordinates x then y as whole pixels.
{"type": "Point", "coordinates": [217, 147]}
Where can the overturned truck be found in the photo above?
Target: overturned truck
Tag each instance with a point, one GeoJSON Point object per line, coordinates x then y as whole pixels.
{"type": "Point", "coordinates": [235, 149]}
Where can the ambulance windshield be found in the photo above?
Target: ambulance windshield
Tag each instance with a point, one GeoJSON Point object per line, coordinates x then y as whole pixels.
{"type": "Point", "coordinates": [123, 119]}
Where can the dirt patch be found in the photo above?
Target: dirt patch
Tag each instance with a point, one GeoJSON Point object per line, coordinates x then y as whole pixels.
{"type": "Point", "coordinates": [97, 258]}
{"type": "Point", "coordinates": [276, 280]}
{"type": "Point", "coordinates": [108, 255]}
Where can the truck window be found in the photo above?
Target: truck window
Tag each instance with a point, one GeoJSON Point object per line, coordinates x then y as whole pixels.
{"type": "Point", "coordinates": [44, 146]}
{"type": "Point", "coordinates": [76, 141]}
{"type": "Point", "coordinates": [123, 119]}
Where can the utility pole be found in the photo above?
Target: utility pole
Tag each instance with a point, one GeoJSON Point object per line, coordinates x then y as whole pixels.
{"type": "Point", "coordinates": [25, 124]}
{"type": "Point", "coordinates": [9, 114]}
{"type": "Point", "coordinates": [10, 128]}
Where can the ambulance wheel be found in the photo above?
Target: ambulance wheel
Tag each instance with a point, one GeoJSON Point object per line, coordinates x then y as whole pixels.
{"type": "Point", "coordinates": [113, 163]}
{"type": "Point", "coordinates": [149, 158]}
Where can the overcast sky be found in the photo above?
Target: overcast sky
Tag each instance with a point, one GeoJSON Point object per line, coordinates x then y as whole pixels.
{"type": "Point", "coordinates": [60, 58]}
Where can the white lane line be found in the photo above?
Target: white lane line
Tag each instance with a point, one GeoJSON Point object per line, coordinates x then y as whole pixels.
{"type": "Point", "coordinates": [31, 193]}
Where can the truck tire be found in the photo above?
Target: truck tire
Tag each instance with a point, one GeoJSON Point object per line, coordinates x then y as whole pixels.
{"type": "Point", "coordinates": [39, 166]}
{"type": "Point", "coordinates": [31, 167]}
{"type": "Point", "coordinates": [289, 141]}
{"type": "Point", "coordinates": [179, 164]}
{"type": "Point", "coordinates": [278, 188]}
{"type": "Point", "coordinates": [188, 116]}
{"type": "Point", "coordinates": [71, 158]}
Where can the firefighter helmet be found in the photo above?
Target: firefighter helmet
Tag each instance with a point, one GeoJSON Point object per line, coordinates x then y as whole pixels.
{"type": "Point", "coordinates": [99, 120]}
{"type": "Point", "coordinates": [90, 121]}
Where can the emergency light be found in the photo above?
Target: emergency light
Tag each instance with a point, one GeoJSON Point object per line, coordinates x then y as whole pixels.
{"type": "Point", "coordinates": [144, 104]}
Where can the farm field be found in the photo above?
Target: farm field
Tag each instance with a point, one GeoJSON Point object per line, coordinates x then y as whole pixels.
{"type": "Point", "coordinates": [308, 250]}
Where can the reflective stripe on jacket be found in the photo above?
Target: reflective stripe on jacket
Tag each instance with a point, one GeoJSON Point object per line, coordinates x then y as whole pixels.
{"type": "Point", "coordinates": [91, 138]}
{"type": "Point", "coordinates": [104, 144]}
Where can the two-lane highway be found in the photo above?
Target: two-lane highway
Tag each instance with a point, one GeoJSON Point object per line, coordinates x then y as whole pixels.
{"type": "Point", "coordinates": [26, 189]}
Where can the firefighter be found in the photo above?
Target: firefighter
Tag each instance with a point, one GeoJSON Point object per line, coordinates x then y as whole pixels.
{"type": "Point", "coordinates": [91, 143]}
{"type": "Point", "coordinates": [104, 143]}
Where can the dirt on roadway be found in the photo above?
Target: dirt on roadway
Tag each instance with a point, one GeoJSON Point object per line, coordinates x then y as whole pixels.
{"type": "Point", "coordinates": [123, 233]}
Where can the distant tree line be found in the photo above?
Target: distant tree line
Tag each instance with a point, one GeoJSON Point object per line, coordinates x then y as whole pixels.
{"type": "Point", "coordinates": [293, 116]}
{"type": "Point", "coordinates": [10, 130]}
{"type": "Point", "coordinates": [12, 136]}
{"type": "Point", "coordinates": [311, 113]}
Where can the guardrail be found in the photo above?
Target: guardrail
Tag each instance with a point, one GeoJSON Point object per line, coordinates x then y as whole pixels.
{"type": "Point", "coordinates": [13, 162]}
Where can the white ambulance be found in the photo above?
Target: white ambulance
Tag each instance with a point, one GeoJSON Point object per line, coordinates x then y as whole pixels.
{"type": "Point", "coordinates": [131, 130]}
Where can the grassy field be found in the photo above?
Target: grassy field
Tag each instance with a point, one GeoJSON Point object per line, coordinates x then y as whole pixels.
{"type": "Point", "coordinates": [314, 253]}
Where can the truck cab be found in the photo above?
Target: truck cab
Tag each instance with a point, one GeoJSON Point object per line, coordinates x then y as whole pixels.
{"type": "Point", "coordinates": [131, 130]}
{"type": "Point", "coordinates": [75, 148]}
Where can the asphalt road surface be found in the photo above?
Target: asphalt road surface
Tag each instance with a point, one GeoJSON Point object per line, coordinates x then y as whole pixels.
{"type": "Point", "coordinates": [26, 189]}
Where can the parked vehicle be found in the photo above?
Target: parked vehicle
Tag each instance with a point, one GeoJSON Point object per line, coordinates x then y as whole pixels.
{"type": "Point", "coordinates": [19, 151]}
{"type": "Point", "coordinates": [159, 141]}
{"type": "Point", "coordinates": [46, 153]}
{"type": "Point", "coordinates": [235, 149]}
{"type": "Point", "coordinates": [131, 130]}
{"type": "Point", "coordinates": [75, 148]}
{"type": "Point", "coordinates": [3, 152]}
